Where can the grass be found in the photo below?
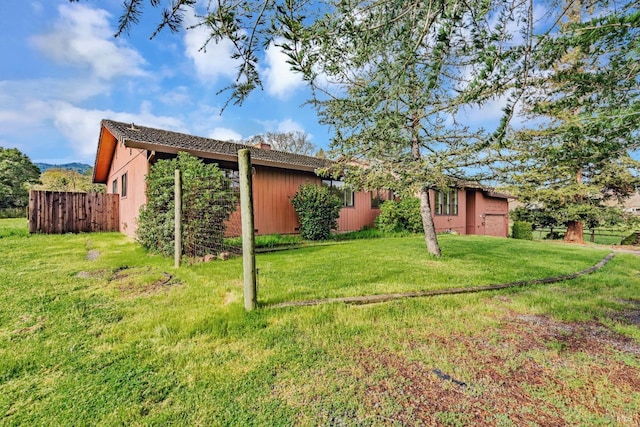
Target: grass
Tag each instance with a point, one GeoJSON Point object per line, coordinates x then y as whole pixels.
{"type": "Point", "coordinates": [273, 241]}
{"type": "Point", "coordinates": [400, 265]}
{"type": "Point", "coordinates": [121, 337]}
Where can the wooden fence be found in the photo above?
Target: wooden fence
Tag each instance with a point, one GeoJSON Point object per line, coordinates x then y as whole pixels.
{"type": "Point", "coordinates": [53, 212]}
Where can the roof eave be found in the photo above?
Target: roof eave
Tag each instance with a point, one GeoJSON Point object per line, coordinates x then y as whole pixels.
{"type": "Point", "coordinates": [215, 156]}
{"type": "Point", "coordinates": [104, 153]}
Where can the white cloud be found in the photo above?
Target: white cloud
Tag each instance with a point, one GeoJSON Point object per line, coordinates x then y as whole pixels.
{"type": "Point", "coordinates": [25, 105]}
{"type": "Point", "coordinates": [14, 92]}
{"type": "Point", "coordinates": [82, 36]}
{"type": "Point", "coordinates": [225, 134]}
{"type": "Point", "coordinates": [289, 125]}
{"type": "Point", "coordinates": [214, 60]}
{"type": "Point", "coordinates": [178, 96]}
{"type": "Point", "coordinates": [81, 127]}
{"type": "Point", "coordinates": [489, 114]}
{"type": "Point", "coordinates": [280, 81]}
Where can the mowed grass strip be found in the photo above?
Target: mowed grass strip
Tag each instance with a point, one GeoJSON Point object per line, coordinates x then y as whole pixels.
{"type": "Point", "coordinates": [391, 265]}
{"type": "Point", "coordinates": [110, 339]}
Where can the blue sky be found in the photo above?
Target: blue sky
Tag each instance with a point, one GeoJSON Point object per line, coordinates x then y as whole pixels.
{"type": "Point", "coordinates": [63, 71]}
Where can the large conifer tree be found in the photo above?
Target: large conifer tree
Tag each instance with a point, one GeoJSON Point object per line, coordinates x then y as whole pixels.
{"type": "Point", "coordinates": [585, 94]}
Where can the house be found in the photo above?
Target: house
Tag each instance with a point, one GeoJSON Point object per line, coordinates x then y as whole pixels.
{"type": "Point", "coordinates": [632, 204]}
{"type": "Point", "coordinates": [126, 152]}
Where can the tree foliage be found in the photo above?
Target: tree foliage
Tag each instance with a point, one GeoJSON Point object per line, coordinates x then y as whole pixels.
{"type": "Point", "coordinates": [292, 142]}
{"type": "Point", "coordinates": [207, 202]}
{"type": "Point", "coordinates": [17, 173]}
{"type": "Point", "coordinates": [400, 74]}
{"type": "Point", "coordinates": [584, 93]}
{"type": "Point", "coordinates": [68, 180]}
{"type": "Point", "coordinates": [403, 215]}
{"type": "Point", "coordinates": [318, 210]}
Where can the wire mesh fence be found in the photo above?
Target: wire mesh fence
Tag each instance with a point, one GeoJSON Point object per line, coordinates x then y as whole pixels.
{"type": "Point", "coordinates": [211, 226]}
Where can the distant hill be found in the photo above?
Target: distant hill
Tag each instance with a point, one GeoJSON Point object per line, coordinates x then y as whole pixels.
{"type": "Point", "coordinates": [80, 167]}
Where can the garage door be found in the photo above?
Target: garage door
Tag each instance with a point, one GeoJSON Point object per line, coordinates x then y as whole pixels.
{"type": "Point", "coordinates": [494, 225]}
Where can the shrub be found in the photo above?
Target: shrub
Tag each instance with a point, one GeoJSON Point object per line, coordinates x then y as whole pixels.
{"type": "Point", "coordinates": [400, 216]}
{"type": "Point", "coordinates": [318, 210]}
{"type": "Point", "coordinates": [633, 239]}
{"type": "Point", "coordinates": [522, 230]}
{"type": "Point", "coordinates": [207, 199]}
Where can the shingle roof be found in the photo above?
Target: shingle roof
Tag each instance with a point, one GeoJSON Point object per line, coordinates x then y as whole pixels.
{"type": "Point", "coordinates": [145, 137]}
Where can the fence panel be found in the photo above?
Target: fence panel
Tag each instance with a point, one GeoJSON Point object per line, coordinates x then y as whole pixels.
{"type": "Point", "coordinates": [54, 212]}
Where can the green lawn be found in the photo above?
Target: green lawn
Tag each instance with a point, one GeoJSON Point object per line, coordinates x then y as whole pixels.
{"type": "Point", "coordinates": [94, 331]}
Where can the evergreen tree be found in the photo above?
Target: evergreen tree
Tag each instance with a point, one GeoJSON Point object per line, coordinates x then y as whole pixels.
{"type": "Point", "coordinates": [17, 173]}
{"type": "Point", "coordinates": [584, 92]}
{"type": "Point", "coordinates": [400, 73]}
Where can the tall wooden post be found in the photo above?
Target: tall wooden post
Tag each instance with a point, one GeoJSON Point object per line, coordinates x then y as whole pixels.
{"type": "Point", "coordinates": [177, 250]}
{"type": "Point", "coordinates": [248, 235]}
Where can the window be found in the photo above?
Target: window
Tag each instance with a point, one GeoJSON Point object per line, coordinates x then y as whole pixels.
{"type": "Point", "coordinates": [124, 185]}
{"type": "Point", "coordinates": [342, 191]}
{"type": "Point", "coordinates": [379, 196]}
{"type": "Point", "coordinates": [234, 177]}
{"type": "Point", "coordinates": [447, 202]}
{"type": "Point", "coordinates": [114, 186]}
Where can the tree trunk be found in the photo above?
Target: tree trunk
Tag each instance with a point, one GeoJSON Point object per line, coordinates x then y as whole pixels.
{"type": "Point", "coordinates": [427, 223]}
{"type": "Point", "coordinates": [423, 194]}
{"type": "Point", "coordinates": [574, 234]}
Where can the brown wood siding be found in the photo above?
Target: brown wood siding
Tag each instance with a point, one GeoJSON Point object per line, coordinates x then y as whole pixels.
{"type": "Point", "coordinates": [360, 215]}
{"type": "Point", "coordinates": [493, 212]}
{"type": "Point", "coordinates": [495, 225]}
{"type": "Point", "coordinates": [273, 189]}
{"type": "Point", "coordinates": [472, 220]}
{"type": "Point", "coordinates": [272, 192]}
{"type": "Point", "coordinates": [53, 212]}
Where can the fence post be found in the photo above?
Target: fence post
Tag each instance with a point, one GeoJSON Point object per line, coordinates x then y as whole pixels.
{"type": "Point", "coordinates": [248, 236]}
{"type": "Point", "coordinates": [177, 250]}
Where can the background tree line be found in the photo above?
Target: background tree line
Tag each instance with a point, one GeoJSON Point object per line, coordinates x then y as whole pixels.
{"type": "Point", "coordinates": [18, 175]}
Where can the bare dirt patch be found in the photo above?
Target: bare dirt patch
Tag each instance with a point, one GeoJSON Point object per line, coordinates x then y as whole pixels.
{"type": "Point", "coordinates": [95, 274]}
{"type": "Point", "coordinates": [530, 370]}
{"type": "Point", "coordinates": [137, 281]}
{"type": "Point", "coordinates": [631, 315]}
{"type": "Point", "coordinates": [35, 324]}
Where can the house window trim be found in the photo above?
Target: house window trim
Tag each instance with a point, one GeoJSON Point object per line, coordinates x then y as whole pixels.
{"type": "Point", "coordinates": [345, 191]}
{"type": "Point", "coordinates": [378, 197]}
{"type": "Point", "coordinates": [446, 204]}
{"type": "Point", "coordinates": [123, 186]}
{"type": "Point", "coordinates": [114, 186]}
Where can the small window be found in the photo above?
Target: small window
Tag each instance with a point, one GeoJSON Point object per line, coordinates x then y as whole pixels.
{"type": "Point", "coordinates": [114, 186]}
{"type": "Point", "coordinates": [378, 197]}
{"type": "Point", "coordinates": [342, 191]}
{"type": "Point", "coordinates": [234, 177]}
{"type": "Point", "coordinates": [447, 202]}
{"type": "Point", "coordinates": [124, 185]}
